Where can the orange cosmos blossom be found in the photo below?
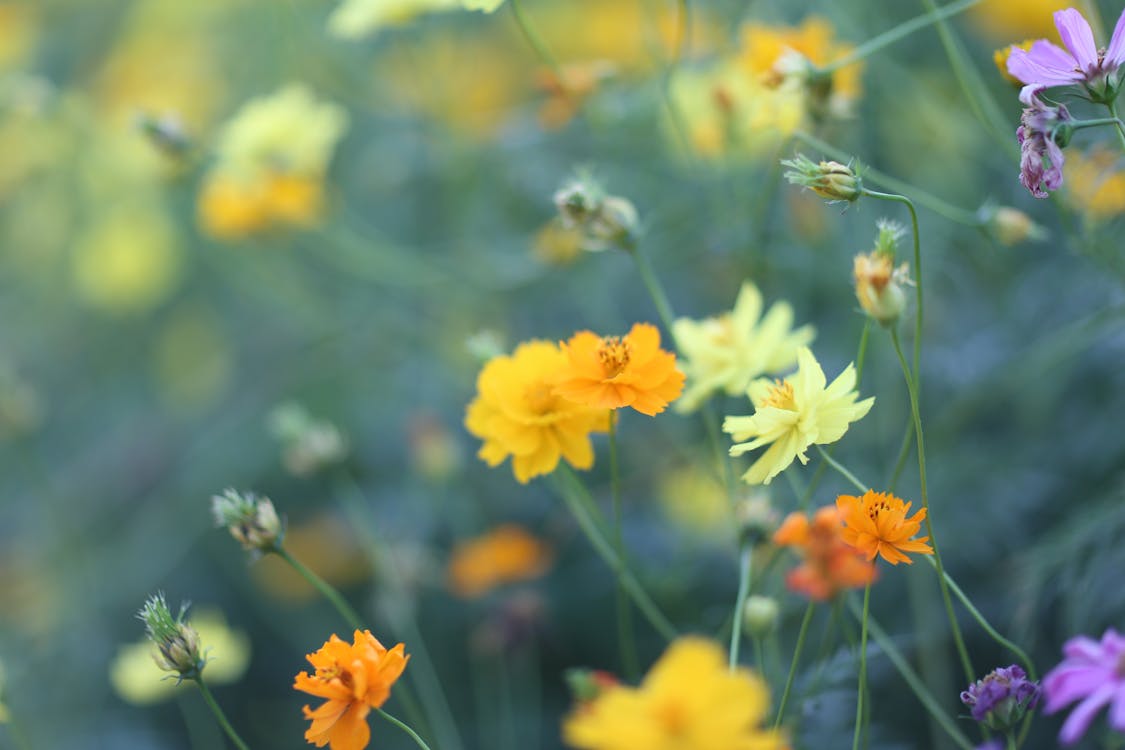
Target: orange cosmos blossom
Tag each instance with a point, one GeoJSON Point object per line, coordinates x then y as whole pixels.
{"type": "Point", "coordinates": [614, 371]}
{"type": "Point", "coordinates": [355, 678]}
{"type": "Point", "coordinates": [830, 564]}
{"type": "Point", "coordinates": [876, 524]}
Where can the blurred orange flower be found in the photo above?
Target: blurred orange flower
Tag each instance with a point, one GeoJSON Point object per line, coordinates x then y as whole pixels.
{"type": "Point", "coordinates": [830, 564]}
{"type": "Point", "coordinates": [354, 678]}
{"type": "Point", "coordinates": [613, 371]}
{"type": "Point", "coordinates": [876, 524]}
{"type": "Point", "coordinates": [508, 553]}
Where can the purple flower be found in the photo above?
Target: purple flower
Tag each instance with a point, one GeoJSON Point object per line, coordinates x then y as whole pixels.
{"type": "Point", "coordinates": [1043, 132]}
{"type": "Point", "coordinates": [1002, 698]}
{"type": "Point", "coordinates": [1093, 672]}
{"type": "Point", "coordinates": [1046, 64]}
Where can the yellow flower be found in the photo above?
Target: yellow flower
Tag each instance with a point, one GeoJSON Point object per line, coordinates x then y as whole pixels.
{"type": "Point", "coordinates": [1095, 184]}
{"type": "Point", "coordinates": [727, 352]}
{"type": "Point", "coordinates": [355, 19]}
{"type": "Point", "coordinates": [878, 286]}
{"type": "Point", "coordinates": [690, 700]}
{"type": "Point", "coordinates": [695, 499]}
{"type": "Point", "coordinates": [506, 554]}
{"type": "Point", "coordinates": [1005, 19]}
{"type": "Point", "coordinates": [518, 413]}
{"type": "Point", "coordinates": [792, 414]}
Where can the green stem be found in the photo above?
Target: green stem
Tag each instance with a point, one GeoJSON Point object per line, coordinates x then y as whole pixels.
{"type": "Point", "coordinates": [744, 569]}
{"type": "Point", "coordinates": [219, 715]}
{"type": "Point", "coordinates": [628, 646]}
{"type": "Point", "coordinates": [578, 501]}
{"type": "Point", "coordinates": [652, 283]}
{"type": "Point", "coordinates": [715, 437]}
{"type": "Point", "coordinates": [1098, 121]}
{"type": "Point", "coordinates": [404, 727]}
{"type": "Point", "coordinates": [904, 29]}
{"type": "Point", "coordinates": [842, 470]}
{"type": "Point", "coordinates": [329, 593]}
{"type": "Point", "coordinates": [793, 664]}
{"type": "Point", "coordinates": [911, 386]}
{"type": "Point", "coordinates": [1010, 742]}
{"type": "Point", "coordinates": [536, 42]}
{"type": "Point", "coordinates": [862, 690]}
{"type": "Point", "coordinates": [903, 452]}
{"type": "Point", "coordinates": [1120, 126]}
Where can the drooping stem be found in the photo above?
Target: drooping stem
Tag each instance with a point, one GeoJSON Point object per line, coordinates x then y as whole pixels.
{"type": "Point", "coordinates": [746, 559]}
{"type": "Point", "coordinates": [1120, 126]}
{"type": "Point", "coordinates": [578, 501]}
{"type": "Point", "coordinates": [624, 614]}
{"type": "Point", "coordinates": [653, 285]}
{"type": "Point", "coordinates": [404, 727]}
{"type": "Point", "coordinates": [839, 467]}
{"type": "Point", "coordinates": [912, 388]}
{"type": "Point", "coordinates": [326, 590]}
{"type": "Point", "coordinates": [793, 664]}
{"type": "Point", "coordinates": [862, 690]}
{"type": "Point", "coordinates": [218, 712]}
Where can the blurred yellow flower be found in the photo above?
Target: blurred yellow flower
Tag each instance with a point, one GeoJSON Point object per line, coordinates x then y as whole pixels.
{"type": "Point", "coordinates": [793, 414]}
{"type": "Point", "coordinates": [1005, 20]}
{"type": "Point", "coordinates": [129, 260]}
{"type": "Point", "coordinates": [557, 244]}
{"type": "Point", "coordinates": [689, 700]}
{"type": "Point", "coordinates": [19, 27]}
{"type": "Point", "coordinates": [1095, 183]}
{"type": "Point", "coordinates": [355, 19]}
{"type": "Point", "coordinates": [518, 413]}
{"type": "Point", "coordinates": [138, 680]}
{"type": "Point", "coordinates": [328, 546]}
{"type": "Point", "coordinates": [504, 555]}
{"type": "Point", "coordinates": [727, 352]}
{"type": "Point", "coordinates": [694, 499]}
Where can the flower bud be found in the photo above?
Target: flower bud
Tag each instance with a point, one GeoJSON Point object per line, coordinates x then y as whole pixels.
{"type": "Point", "coordinates": [828, 179]}
{"type": "Point", "coordinates": [879, 286]}
{"type": "Point", "coordinates": [308, 445]}
{"type": "Point", "coordinates": [1010, 226]}
{"type": "Point", "coordinates": [177, 643]}
{"type": "Point", "coordinates": [165, 132]}
{"type": "Point", "coordinates": [759, 616]}
{"type": "Point", "coordinates": [250, 519]}
{"type": "Point", "coordinates": [756, 518]}
{"type": "Point", "coordinates": [890, 233]}
{"type": "Point", "coordinates": [587, 684]}
{"type": "Point", "coordinates": [604, 221]}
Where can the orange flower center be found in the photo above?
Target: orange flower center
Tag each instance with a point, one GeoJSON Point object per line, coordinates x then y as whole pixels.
{"type": "Point", "coordinates": [672, 718]}
{"type": "Point", "coordinates": [614, 355]}
{"type": "Point", "coordinates": [877, 507]}
{"type": "Point", "coordinates": [540, 398]}
{"type": "Point", "coordinates": [780, 396]}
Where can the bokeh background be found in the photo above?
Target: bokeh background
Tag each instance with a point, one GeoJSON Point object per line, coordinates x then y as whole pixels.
{"type": "Point", "coordinates": [169, 327]}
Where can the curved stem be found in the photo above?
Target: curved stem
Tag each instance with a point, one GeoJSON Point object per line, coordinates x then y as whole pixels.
{"type": "Point", "coordinates": [578, 501]}
{"type": "Point", "coordinates": [842, 470]}
{"type": "Point", "coordinates": [536, 42]}
{"type": "Point", "coordinates": [624, 614]}
{"type": "Point", "coordinates": [1120, 126]}
{"type": "Point", "coordinates": [793, 664]}
{"type": "Point", "coordinates": [862, 690]}
{"type": "Point", "coordinates": [911, 386]}
{"type": "Point", "coordinates": [404, 727]}
{"type": "Point", "coordinates": [652, 283]}
{"type": "Point", "coordinates": [744, 569]}
{"type": "Point", "coordinates": [329, 593]}
{"type": "Point", "coordinates": [219, 715]}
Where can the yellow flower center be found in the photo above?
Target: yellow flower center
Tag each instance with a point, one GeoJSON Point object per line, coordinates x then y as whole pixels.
{"type": "Point", "coordinates": [781, 396]}
{"type": "Point", "coordinates": [672, 718]}
{"type": "Point", "coordinates": [614, 355]}
{"type": "Point", "coordinates": [877, 508]}
{"type": "Point", "coordinates": [540, 398]}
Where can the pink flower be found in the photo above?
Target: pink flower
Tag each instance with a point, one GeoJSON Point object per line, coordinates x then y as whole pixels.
{"type": "Point", "coordinates": [1044, 130]}
{"type": "Point", "coordinates": [1046, 64]}
{"type": "Point", "coordinates": [1093, 672]}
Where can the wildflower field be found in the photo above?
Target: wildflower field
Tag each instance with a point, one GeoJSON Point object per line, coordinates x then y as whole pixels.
{"type": "Point", "coordinates": [588, 374]}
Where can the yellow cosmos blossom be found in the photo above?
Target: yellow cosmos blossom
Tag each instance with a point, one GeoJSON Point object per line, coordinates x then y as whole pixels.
{"type": "Point", "coordinates": [518, 413]}
{"type": "Point", "coordinates": [1007, 19]}
{"type": "Point", "coordinates": [792, 414]}
{"type": "Point", "coordinates": [506, 554]}
{"type": "Point", "coordinates": [876, 524]}
{"type": "Point", "coordinates": [727, 352]}
{"type": "Point", "coordinates": [690, 700]}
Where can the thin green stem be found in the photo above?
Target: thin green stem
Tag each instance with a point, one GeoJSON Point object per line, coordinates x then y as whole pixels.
{"type": "Point", "coordinates": [1098, 121]}
{"type": "Point", "coordinates": [578, 500]}
{"type": "Point", "coordinates": [714, 431]}
{"type": "Point", "coordinates": [839, 467]}
{"type": "Point", "coordinates": [1010, 741]}
{"type": "Point", "coordinates": [652, 283]}
{"type": "Point", "coordinates": [326, 590]}
{"type": "Point", "coordinates": [536, 42]}
{"type": "Point", "coordinates": [628, 646]}
{"type": "Point", "coordinates": [903, 453]}
{"type": "Point", "coordinates": [793, 664]}
{"type": "Point", "coordinates": [1120, 126]}
{"type": "Point", "coordinates": [903, 30]}
{"type": "Point", "coordinates": [911, 386]}
{"type": "Point", "coordinates": [862, 690]}
{"type": "Point", "coordinates": [404, 727]}
{"type": "Point", "coordinates": [746, 559]}
{"type": "Point", "coordinates": [992, 632]}
{"type": "Point", "coordinates": [218, 712]}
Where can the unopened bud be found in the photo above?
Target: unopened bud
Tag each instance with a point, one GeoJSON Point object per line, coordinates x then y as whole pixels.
{"type": "Point", "coordinates": [759, 615]}
{"type": "Point", "coordinates": [308, 445]}
{"type": "Point", "coordinates": [1010, 226]}
{"type": "Point", "coordinates": [829, 179]}
{"type": "Point", "coordinates": [890, 233]}
{"type": "Point", "coordinates": [250, 519]}
{"type": "Point", "coordinates": [177, 643]}
{"type": "Point", "coordinates": [756, 518]}
{"type": "Point", "coordinates": [604, 221]}
{"type": "Point", "coordinates": [879, 286]}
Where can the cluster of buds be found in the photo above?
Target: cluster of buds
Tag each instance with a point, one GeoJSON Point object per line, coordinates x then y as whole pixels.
{"type": "Point", "coordinates": [878, 283]}
{"type": "Point", "coordinates": [1002, 698]}
{"type": "Point", "coordinates": [308, 445]}
{"type": "Point", "coordinates": [250, 519]}
{"type": "Point", "coordinates": [177, 643]}
{"type": "Point", "coordinates": [603, 221]}
{"type": "Point", "coordinates": [831, 180]}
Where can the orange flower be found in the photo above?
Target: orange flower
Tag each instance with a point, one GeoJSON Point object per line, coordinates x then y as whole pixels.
{"type": "Point", "coordinates": [830, 564]}
{"type": "Point", "coordinates": [614, 371]}
{"type": "Point", "coordinates": [876, 524]}
{"type": "Point", "coordinates": [506, 554]}
{"type": "Point", "coordinates": [354, 678]}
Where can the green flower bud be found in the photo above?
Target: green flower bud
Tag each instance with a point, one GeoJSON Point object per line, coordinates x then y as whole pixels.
{"type": "Point", "coordinates": [250, 519]}
{"type": "Point", "coordinates": [177, 643]}
{"type": "Point", "coordinates": [829, 179]}
{"type": "Point", "coordinates": [759, 615]}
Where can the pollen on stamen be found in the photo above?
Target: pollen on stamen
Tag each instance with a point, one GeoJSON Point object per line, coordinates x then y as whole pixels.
{"type": "Point", "coordinates": [614, 355]}
{"type": "Point", "coordinates": [780, 396]}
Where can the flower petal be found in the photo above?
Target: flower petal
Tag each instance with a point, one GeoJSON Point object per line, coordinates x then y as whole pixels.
{"type": "Point", "coordinates": [1115, 53]}
{"type": "Point", "coordinates": [1077, 37]}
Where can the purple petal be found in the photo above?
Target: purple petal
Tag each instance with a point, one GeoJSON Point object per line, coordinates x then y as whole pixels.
{"type": "Point", "coordinates": [1065, 684]}
{"type": "Point", "coordinates": [1026, 69]}
{"type": "Point", "coordinates": [1117, 711]}
{"type": "Point", "coordinates": [1051, 55]}
{"type": "Point", "coordinates": [1085, 649]}
{"type": "Point", "coordinates": [1077, 37]}
{"type": "Point", "coordinates": [1079, 720]}
{"type": "Point", "coordinates": [1029, 94]}
{"type": "Point", "coordinates": [1115, 54]}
